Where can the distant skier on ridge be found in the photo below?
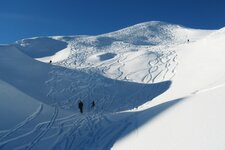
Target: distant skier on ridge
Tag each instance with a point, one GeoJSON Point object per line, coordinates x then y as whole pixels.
{"type": "Point", "coordinates": [80, 105]}
{"type": "Point", "coordinates": [93, 104]}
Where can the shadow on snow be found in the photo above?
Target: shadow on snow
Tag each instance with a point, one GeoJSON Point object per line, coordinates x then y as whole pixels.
{"type": "Point", "coordinates": [64, 87]}
{"type": "Point", "coordinates": [100, 132]}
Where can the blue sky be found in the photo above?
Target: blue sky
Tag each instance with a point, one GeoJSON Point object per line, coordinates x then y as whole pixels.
{"type": "Point", "coordinates": [28, 18]}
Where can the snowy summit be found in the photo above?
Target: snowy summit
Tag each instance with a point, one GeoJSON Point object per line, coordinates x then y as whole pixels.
{"type": "Point", "coordinates": [153, 85]}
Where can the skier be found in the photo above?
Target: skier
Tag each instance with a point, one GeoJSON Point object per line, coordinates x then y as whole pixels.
{"type": "Point", "coordinates": [80, 105]}
{"type": "Point", "coordinates": [93, 104]}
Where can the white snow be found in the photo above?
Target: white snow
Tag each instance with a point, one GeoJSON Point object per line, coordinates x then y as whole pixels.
{"type": "Point", "coordinates": [59, 56]}
{"type": "Point", "coordinates": [152, 87]}
{"type": "Point", "coordinates": [197, 122]}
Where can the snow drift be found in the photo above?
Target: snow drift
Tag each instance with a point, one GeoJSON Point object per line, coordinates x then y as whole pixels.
{"type": "Point", "coordinates": [156, 86]}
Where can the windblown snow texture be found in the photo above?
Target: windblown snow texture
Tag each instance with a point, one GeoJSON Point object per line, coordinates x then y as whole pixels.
{"type": "Point", "coordinates": [155, 86]}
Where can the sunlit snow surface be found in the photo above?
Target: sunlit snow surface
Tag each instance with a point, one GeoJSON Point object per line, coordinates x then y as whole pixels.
{"type": "Point", "coordinates": [156, 86]}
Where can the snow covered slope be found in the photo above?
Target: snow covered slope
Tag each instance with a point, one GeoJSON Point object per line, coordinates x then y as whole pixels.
{"type": "Point", "coordinates": [197, 122]}
{"type": "Point", "coordinates": [156, 86]}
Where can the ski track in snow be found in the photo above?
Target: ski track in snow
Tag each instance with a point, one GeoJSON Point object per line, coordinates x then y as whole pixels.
{"type": "Point", "coordinates": [68, 131]}
{"type": "Point", "coordinates": [115, 68]}
{"type": "Point", "coordinates": [23, 123]}
{"type": "Point", "coordinates": [158, 67]}
{"type": "Point", "coordinates": [42, 133]}
{"type": "Point", "coordinates": [69, 134]}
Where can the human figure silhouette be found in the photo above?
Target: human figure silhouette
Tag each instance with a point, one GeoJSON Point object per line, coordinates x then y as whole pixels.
{"type": "Point", "coordinates": [80, 105]}
{"type": "Point", "coordinates": [93, 104]}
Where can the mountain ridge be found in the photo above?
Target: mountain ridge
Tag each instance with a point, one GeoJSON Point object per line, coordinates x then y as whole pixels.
{"type": "Point", "coordinates": [150, 82]}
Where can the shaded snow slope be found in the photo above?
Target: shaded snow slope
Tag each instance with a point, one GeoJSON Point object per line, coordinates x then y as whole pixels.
{"type": "Point", "coordinates": [64, 87]}
{"type": "Point", "coordinates": [197, 122]}
{"type": "Point", "coordinates": [23, 72]}
{"type": "Point", "coordinates": [41, 47]}
{"type": "Point", "coordinates": [156, 86]}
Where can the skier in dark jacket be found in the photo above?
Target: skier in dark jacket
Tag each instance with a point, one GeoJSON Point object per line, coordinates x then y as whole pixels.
{"type": "Point", "coordinates": [93, 104]}
{"type": "Point", "coordinates": [80, 105]}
